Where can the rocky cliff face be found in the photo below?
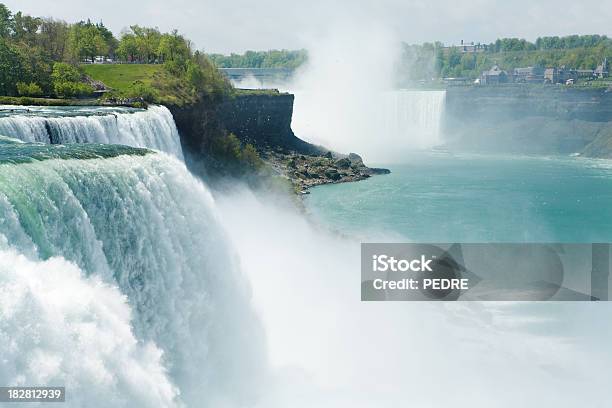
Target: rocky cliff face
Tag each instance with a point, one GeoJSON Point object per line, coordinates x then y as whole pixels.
{"type": "Point", "coordinates": [545, 120]}
{"type": "Point", "coordinates": [261, 119]}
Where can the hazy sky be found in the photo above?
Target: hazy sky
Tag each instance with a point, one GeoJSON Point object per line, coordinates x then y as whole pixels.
{"type": "Point", "coordinates": [224, 26]}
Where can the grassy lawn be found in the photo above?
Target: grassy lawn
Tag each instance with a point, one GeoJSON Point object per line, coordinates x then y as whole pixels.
{"type": "Point", "coordinates": [170, 89]}
{"type": "Point", "coordinates": [121, 76]}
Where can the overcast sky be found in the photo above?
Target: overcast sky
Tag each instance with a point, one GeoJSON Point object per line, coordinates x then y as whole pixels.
{"type": "Point", "coordinates": [226, 26]}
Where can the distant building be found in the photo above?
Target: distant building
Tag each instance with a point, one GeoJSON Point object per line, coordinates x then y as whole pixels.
{"type": "Point", "coordinates": [602, 70]}
{"type": "Point", "coordinates": [551, 75]}
{"type": "Point", "coordinates": [494, 76]}
{"type": "Point", "coordinates": [466, 47]}
{"type": "Point", "coordinates": [560, 75]}
{"type": "Point", "coordinates": [528, 75]}
{"type": "Point", "coordinates": [584, 73]}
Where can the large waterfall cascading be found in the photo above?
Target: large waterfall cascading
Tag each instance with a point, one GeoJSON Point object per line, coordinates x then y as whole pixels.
{"type": "Point", "coordinates": [76, 235]}
{"type": "Point", "coordinates": [414, 116]}
{"type": "Point", "coordinates": [153, 128]}
{"type": "Point", "coordinates": [383, 126]}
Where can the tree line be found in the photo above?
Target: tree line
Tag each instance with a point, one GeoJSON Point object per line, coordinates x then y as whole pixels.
{"type": "Point", "coordinates": [40, 56]}
{"type": "Point", "coordinates": [289, 59]}
{"type": "Point", "coordinates": [433, 60]}
{"type": "Point", "coordinates": [550, 43]}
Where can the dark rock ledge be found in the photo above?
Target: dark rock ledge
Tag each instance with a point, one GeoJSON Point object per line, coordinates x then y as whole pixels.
{"type": "Point", "coordinates": [305, 171]}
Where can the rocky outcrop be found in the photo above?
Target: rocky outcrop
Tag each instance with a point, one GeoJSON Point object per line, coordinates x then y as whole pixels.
{"type": "Point", "coordinates": [528, 119]}
{"type": "Point", "coordinates": [305, 171]}
{"type": "Point", "coordinates": [263, 119]}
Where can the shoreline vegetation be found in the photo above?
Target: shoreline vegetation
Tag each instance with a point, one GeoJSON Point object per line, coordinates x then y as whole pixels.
{"type": "Point", "coordinates": [47, 58]}
{"type": "Point", "coordinates": [47, 62]}
{"type": "Point", "coordinates": [435, 65]}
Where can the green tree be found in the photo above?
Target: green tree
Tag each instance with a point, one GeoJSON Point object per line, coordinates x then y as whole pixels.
{"type": "Point", "coordinates": [173, 46]}
{"type": "Point", "coordinates": [25, 28]}
{"type": "Point", "coordinates": [110, 42]}
{"type": "Point", "coordinates": [53, 37]}
{"type": "Point", "coordinates": [35, 64]}
{"type": "Point", "coordinates": [147, 42]}
{"type": "Point", "coordinates": [86, 41]}
{"type": "Point", "coordinates": [11, 69]}
{"type": "Point", "coordinates": [5, 21]}
{"type": "Point", "coordinates": [128, 48]}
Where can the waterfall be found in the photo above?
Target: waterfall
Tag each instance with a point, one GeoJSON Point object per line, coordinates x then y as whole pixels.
{"type": "Point", "coordinates": [153, 128]}
{"type": "Point", "coordinates": [414, 116]}
{"type": "Point", "coordinates": [382, 126]}
{"type": "Point", "coordinates": [116, 280]}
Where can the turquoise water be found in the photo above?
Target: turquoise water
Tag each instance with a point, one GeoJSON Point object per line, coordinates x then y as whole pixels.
{"type": "Point", "coordinates": [63, 111]}
{"type": "Point", "coordinates": [440, 197]}
{"type": "Point", "coordinates": [14, 151]}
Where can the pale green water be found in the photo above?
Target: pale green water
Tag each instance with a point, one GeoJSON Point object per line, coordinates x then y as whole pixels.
{"type": "Point", "coordinates": [461, 198]}
{"type": "Point", "coordinates": [13, 151]}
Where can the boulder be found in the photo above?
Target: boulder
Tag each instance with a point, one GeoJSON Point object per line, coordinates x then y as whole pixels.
{"type": "Point", "coordinates": [333, 174]}
{"type": "Point", "coordinates": [355, 158]}
{"type": "Point", "coordinates": [344, 163]}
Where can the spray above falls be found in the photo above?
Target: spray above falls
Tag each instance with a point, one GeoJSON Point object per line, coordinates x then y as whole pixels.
{"type": "Point", "coordinates": [346, 96]}
{"type": "Point", "coordinates": [381, 125]}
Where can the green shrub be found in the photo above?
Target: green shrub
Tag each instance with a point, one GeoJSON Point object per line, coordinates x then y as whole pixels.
{"type": "Point", "coordinates": [63, 72]}
{"type": "Point", "coordinates": [233, 158]}
{"type": "Point", "coordinates": [227, 148]}
{"type": "Point", "coordinates": [139, 89]}
{"type": "Point", "coordinates": [29, 89]}
{"type": "Point", "coordinates": [196, 76]}
{"type": "Point", "coordinates": [250, 157]}
{"type": "Point", "coordinates": [72, 89]}
{"type": "Point", "coordinates": [175, 68]}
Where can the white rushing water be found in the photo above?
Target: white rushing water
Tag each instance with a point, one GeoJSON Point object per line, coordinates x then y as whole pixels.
{"type": "Point", "coordinates": [413, 117]}
{"type": "Point", "coordinates": [116, 281]}
{"type": "Point", "coordinates": [383, 125]}
{"type": "Point", "coordinates": [153, 128]}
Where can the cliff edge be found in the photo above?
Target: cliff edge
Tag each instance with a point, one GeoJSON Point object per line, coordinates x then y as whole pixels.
{"type": "Point", "coordinates": [262, 119]}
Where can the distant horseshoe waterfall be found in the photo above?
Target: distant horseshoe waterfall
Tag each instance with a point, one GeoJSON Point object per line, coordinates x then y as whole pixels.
{"type": "Point", "coordinates": [383, 126]}
{"type": "Point", "coordinates": [414, 116]}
